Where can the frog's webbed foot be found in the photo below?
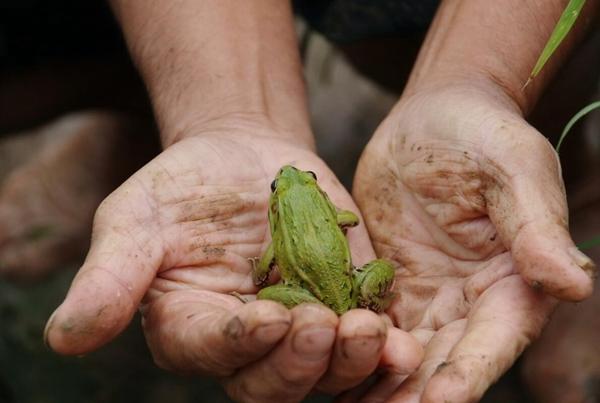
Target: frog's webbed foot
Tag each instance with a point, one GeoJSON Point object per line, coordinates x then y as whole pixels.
{"type": "Point", "coordinates": [373, 283]}
{"type": "Point", "coordinates": [288, 295]}
{"type": "Point", "coordinates": [346, 219]}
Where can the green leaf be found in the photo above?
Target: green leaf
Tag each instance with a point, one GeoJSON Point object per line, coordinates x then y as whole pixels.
{"type": "Point", "coordinates": [564, 25]}
{"type": "Point", "coordinates": [575, 119]}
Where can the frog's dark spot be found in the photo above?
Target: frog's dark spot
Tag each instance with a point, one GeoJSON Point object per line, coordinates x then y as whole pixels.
{"type": "Point", "coordinates": [234, 329]}
{"type": "Point", "coordinates": [213, 251]}
{"type": "Point", "coordinates": [493, 238]}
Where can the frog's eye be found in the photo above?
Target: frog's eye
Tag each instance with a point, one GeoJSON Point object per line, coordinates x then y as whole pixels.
{"type": "Point", "coordinates": [314, 175]}
{"type": "Point", "coordinates": [274, 185]}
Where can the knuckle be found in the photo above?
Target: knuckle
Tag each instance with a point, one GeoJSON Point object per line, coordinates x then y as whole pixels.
{"type": "Point", "coordinates": [103, 212]}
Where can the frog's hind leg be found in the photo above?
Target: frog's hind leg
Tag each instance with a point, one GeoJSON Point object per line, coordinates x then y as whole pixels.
{"type": "Point", "coordinates": [288, 295]}
{"type": "Point", "coordinates": [346, 219]}
{"type": "Point", "coordinates": [262, 269]}
{"type": "Point", "coordinates": [373, 283]}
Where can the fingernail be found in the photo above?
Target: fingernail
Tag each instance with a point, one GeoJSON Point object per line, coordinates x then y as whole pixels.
{"type": "Point", "coordinates": [270, 333]}
{"type": "Point", "coordinates": [47, 328]}
{"type": "Point", "coordinates": [314, 343]}
{"type": "Point", "coordinates": [362, 346]}
{"type": "Point", "coordinates": [583, 261]}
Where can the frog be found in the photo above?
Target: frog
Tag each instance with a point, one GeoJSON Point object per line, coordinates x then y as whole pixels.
{"type": "Point", "coordinates": [310, 250]}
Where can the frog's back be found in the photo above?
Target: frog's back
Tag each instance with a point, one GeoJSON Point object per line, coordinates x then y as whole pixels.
{"type": "Point", "coordinates": [317, 255]}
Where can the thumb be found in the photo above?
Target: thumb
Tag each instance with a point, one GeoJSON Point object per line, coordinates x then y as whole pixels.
{"type": "Point", "coordinates": [527, 204]}
{"type": "Point", "coordinates": [105, 293]}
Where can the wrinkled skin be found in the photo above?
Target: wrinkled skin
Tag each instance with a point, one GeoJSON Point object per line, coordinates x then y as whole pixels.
{"type": "Point", "coordinates": [468, 199]}
{"type": "Point", "coordinates": [180, 232]}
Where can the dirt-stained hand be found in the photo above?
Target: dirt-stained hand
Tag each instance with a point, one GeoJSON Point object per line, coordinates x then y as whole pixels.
{"type": "Point", "coordinates": [178, 234]}
{"type": "Point", "coordinates": [468, 200]}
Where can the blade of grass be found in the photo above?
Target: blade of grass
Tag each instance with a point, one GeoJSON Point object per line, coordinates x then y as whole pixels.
{"type": "Point", "coordinates": [562, 28]}
{"type": "Point", "coordinates": [594, 105]}
{"type": "Point", "coordinates": [589, 243]}
{"type": "Point", "coordinates": [575, 119]}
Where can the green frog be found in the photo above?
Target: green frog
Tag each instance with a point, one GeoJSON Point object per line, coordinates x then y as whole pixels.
{"type": "Point", "coordinates": [311, 252]}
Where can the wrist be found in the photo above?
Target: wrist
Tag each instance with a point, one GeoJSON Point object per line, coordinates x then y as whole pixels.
{"type": "Point", "coordinates": [254, 124]}
{"type": "Point", "coordinates": [506, 88]}
{"type": "Point", "coordinates": [468, 85]}
{"type": "Point", "coordinates": [214, 61]}
{"type": "Point", "coordinates": [497, 43]}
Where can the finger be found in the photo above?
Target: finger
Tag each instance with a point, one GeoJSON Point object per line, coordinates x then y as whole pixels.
{"type": "Point", "coordinates": [291, 370]}
{"type": "Point", "coordinates": [403, 352]}
{"type": "Point", "coordinates": [528, 206]}
{"type": "Point", "coordinates": [398, 388]}
{"type": "Point", "coordinates": [105, 294]}
{"type": "Point", "coordinates": [498, 331]}
{"type": "Point", "coordinates": [207, 333]}
{"type": "Point", "coordinates": [402, 355]}
{"type": "Point", "coordinates": [497, 268]}
{"type": "Point", "coordinates": [361, 337]}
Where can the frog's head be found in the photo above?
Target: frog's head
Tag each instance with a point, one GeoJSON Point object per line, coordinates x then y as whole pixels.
{"type": "Point", "coordinates": [288, 177]}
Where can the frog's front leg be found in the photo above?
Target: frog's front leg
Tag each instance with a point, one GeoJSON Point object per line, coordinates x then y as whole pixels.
{"type": "Point", "coordinates": [373, 283]}
{"type": "Point", "coordinates": [288, 295]}
{"type": "Point", "coordinates": [261, 271]}
{"type": "Point", "coordinates": [346, 219]}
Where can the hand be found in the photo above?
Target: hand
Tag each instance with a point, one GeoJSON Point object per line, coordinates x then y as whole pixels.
{"type": "Point", "coordinates": [51, 181]}
{"type": "Point", "coordinates": [468, 199]}
{"type": "Point", "coordinates": [180, 232]}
